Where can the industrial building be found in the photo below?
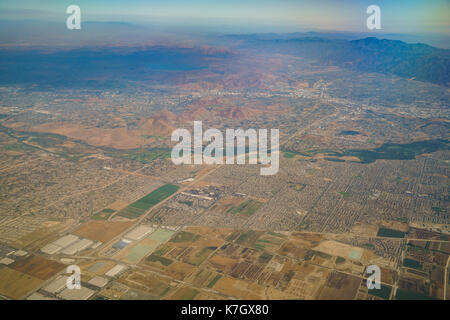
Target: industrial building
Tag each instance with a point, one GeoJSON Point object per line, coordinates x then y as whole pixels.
{"type": "Point", "coordinates": [76, 294]}
{"type": "Point", "coordinates": [139, 232]}
{"type": "Point", "coordinates": [115, 270]}
{"type": "Point", "coordinates": [77, 246]}
{"type": "Point", "coordinates": [56, 285]}
{"type": "Point", "coordinates": [98, 282]}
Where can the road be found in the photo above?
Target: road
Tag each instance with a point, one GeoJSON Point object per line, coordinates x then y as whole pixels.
{"type": "Point", "coordinates": [446, 279]}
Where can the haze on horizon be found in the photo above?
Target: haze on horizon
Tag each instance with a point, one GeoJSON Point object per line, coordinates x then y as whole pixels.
{"type": "Point", "coordinates": [427, 21]}
{"type": "Point", "coordinates": [403, 16]}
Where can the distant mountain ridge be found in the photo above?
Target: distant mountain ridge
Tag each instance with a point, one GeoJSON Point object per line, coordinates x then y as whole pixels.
{"type": "Point", "coordinates": [113, 66]}
{"type": "Point", "coordinates": [419, 61]}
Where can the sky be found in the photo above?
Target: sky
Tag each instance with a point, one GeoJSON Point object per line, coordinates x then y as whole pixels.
{"type": "Point", "coordinates": [397, 16]}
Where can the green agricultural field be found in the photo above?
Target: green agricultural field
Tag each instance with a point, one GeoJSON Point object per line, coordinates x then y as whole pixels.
{"type": "Point", "coordinates": [410, 295]}
{"type": "Point", "coordinates": [384, 292]}
{"type": "Point", "coordinates": [416, 250]}
{"type": "Point", "coordinates": [288, 155]}
{"type": "Point", "coordinates": [269, 241]}
{"type": "Point", "coordinates": [390, 233]}
{"type": "Point", "coordinates": [155, 258]}
{"type": "Point", "coordinates": [214, 281]}
{"type": "Point", "coordinates": [155, 197]}
{"type": "Point", "coordinates": [185, 294]}
{"type": "Point", "coordinates": [131, 212]}
{"type": "Point", "coordinates": [265, 257]}
{"type": "Point", "coordinates": [410, 263]}
{"type": "Point", "coordinates": [248, 238]}
{"type": "Point", "coordinates": [340, 260]}
{"type": "Point", "coordinates": [140, 206]}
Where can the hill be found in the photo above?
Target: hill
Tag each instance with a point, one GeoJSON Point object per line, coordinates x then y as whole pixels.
{"type": "Point", "coordinates": [419, 61]}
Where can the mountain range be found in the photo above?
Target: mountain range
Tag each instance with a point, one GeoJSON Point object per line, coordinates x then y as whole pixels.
{"type": "Point", "coordinates": [418, 61]}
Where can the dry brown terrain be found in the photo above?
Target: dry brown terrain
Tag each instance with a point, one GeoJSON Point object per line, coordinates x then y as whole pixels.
{"type": "Point", "coordinates": [102, 231]}
{"type": "Point", "coordinates": [38, 267]}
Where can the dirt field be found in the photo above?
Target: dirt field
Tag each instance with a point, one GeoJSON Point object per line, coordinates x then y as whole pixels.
{"type": "Point", "coordinates": [293, 249]}
{"type": "Point", "coordinates": [221, 263]}
{"type": "Point", "coordinates": [118, 205]}
{"type": "Point", "coordinates": [388, 275]}
{"type": "Point", "coordinates": [38, 267]}
{"type": "Point", "coordinates": [210, 233]}
{"type": "Point", "coordinates": [148, 282]}
{"type": "Point", "coordinates": [239, 289]}
{"type": "Point", "coordinates": [365, 229]}
{"type": "Point", "coordinates": [227, 203]}
{"type": "Point", "coordinates": [15, 284]}
{"type": "Point", "coordinates": [102, 231]}
{"type": "Point", "coordinates": [340, 286]}
{"type": "Point", "coordinates": [335, 248]}
{"type": "Point", "coordinates": [198, 255]}
{"type": "Point", "coordinates": [174, 269]}
{"type": "Point", "coordinates": [395, 225]}
{"type": "Point", "coordinates": [119, 138]}
{"type": "Point", "coordinates": [204, 278]}
{"type": "Point", "coordinates": [180, 270]}
{"type": "Point", "coordinates": [306, 283]}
